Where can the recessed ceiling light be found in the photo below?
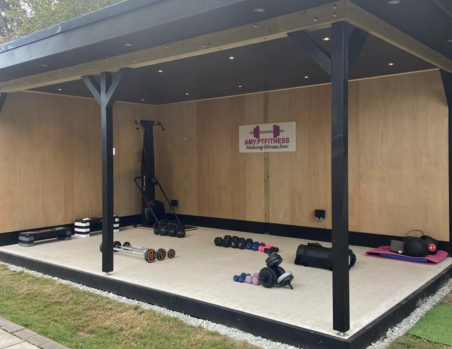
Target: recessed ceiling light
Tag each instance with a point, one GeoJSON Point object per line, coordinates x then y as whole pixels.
{"type": "Point", "coordinates": [160, 71]}
{"type": "Point", "coordinates": [326, 39]}
{"type": "Point", "coordinates": [187, 94]}
{"type": "Point", "coordinates": [128, 45]}
{"type": "Point", "coordinates": [231, 58]}
{"type": "Point", "coordinates": [59, 89]}
{"type": "Point", "coordinates": [306, 77]}
{"type": "Point", "coordinates": [43, 65]}
{"type": "Point", "coordinates": [142, 100]}
{"type": "Point", "coordinates": [394, 2]}
{"type": "Point", "coordinates": [240, 86]}
{"type": "Point", "coordinates": [259, 10]}
{"type": "Point", "coordinates": [450, 40]}
{"type": "Point", "coordinates": [391, 64]}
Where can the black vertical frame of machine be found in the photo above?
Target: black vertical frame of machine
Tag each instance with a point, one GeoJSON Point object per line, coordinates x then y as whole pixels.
{"type": "Point", "coordinates": [338, 65]}
{"type": "Point", "coordinates": [147, 165]}
{"type": "Point", "coordinates": [106, 95]}
{"type": "Point", "coordinates": [447, 83]}
{"type": "Point", "coordinates": [339, 176]}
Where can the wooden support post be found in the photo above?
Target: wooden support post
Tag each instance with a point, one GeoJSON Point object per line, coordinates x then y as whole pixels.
{"type": "Point", "coordinates": [106, 95]}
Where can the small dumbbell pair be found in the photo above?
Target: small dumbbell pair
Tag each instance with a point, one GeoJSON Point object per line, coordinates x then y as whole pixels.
{"type": "Point", "coordinates": [248, 278]}
{"type": "Point", "coordinates": [269, 249]}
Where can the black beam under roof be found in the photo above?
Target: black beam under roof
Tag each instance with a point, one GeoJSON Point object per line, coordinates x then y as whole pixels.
{"type": "Point", "coordinates": [148, 23]}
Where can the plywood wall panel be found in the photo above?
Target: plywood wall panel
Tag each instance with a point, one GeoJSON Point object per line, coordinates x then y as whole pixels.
{"type": "Point", "coordinates": [50, 157]}
{"type": "Point", "coordinates": [176, 152]}
{"type": "Point", "coordinates": [50, 160]}
{"type": "Point", "coordinates": [281, 164]}
{"type": "Point", "coordinates": [397, 156]}
{"type": "Point", "coordinates": [221, 168]}
{"type": "Point", "coordinates": [403, 155]}
{"type": "Point", "coordinates": [254, 163]}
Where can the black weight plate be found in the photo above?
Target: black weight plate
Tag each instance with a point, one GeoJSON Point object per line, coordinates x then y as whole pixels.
{"type": "Point", "coordinates": [273, 260]}
{"type": "Point", "coordinates": [267, 277]}
{"type": "Point", "coordinates": [116, 244]}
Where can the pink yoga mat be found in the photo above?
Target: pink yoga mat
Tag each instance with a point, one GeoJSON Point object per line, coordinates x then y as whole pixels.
{"type": "Point", "coordinates": [431, 259]}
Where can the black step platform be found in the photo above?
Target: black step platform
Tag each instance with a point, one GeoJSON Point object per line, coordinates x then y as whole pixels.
{"type": "Point", "coordinates": [28, 238]}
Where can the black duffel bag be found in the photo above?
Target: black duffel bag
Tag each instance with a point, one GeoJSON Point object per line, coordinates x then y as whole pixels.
{"type": "Point", "coordinates": [316, 256]}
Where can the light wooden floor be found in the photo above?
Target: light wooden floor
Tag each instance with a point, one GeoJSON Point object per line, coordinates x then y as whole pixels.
{"type": "Point", "coordinates": [204, 272]}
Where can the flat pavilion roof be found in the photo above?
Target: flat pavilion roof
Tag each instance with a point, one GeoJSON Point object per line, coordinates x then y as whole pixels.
{"type": "Point", "coordinates": [192, 41]}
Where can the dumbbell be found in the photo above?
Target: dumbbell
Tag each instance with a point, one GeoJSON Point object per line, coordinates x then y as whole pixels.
{"type": "Point", "coordinates": [149, 255]}
{"type": "Point", "coordinates": [161, 253]}
{"type": "Point", "coordinates": [226, 241]}
{"type": "Point", "coordinates": [162, 227]}
{"type": "Point", "coordinates": [269, 249]}
{"type": "Point", "coordinates": [235, 242]}
{"type": "Point", "coordinates": [273, 274]}
{"type": "Point", "coordinates": [249, 244]}
{"type": "Point", "coordinates": [176, 230]}
{"type": "Point", "coordinates": [240, 278]}
{"type": "Point", "coordinates": [254, 279]}
{"type": "Point", "coordinates": [255, 245]}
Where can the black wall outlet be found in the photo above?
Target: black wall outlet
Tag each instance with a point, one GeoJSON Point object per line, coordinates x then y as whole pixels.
{"type": "Point", "coordinates": [320, 214]}
{"type": "Point", "coordinates": [175, 203]}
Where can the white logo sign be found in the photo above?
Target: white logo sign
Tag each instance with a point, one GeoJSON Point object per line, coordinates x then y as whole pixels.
{"type": "Point", "coordinates": [273, 137]}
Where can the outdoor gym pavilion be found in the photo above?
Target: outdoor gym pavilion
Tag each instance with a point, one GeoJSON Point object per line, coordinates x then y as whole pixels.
{"type": "Point", "coordinates": [284, 122]}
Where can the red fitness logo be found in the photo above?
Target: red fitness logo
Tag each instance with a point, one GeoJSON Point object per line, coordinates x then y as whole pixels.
{"type": "Point", "coordinates": [276, 131]}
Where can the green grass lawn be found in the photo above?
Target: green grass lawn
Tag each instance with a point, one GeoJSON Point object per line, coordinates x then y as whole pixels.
{"type": "Point", "coordinates": [79, 319]}
{"type": "Point", "coordinates": [433, 331]}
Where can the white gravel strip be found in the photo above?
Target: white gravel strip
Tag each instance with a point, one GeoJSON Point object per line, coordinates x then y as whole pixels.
{"type": "Point", "coordinates": [423, 307]}
{"type": "Point", "coordinates": [393, 333]}
{"type": "Point", "coordinates": [221, 329]}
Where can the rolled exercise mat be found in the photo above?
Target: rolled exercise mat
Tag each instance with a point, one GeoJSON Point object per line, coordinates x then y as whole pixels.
{"type": "Point", "coordinates": [384, 252]}
{"type": "Point", "coordinates": [316, 256]}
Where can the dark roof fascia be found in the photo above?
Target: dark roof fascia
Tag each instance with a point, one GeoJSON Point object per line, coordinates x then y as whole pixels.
{"type": "Point", "coordinates": [113, 22]}
{"type": "Point", "coordinates": [78, 22]}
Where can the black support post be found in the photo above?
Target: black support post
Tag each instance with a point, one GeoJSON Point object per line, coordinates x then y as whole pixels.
{"type": "Point", "coordinates": [339, 176]}
{"type": "Point", "coordinates": [447, 82]}
{"type": "Point", "coordinates": [2, 100]}
{"type": "Point", "coordinates": [106, 95]}
{"type": "Point", "coordinates": [338, 64]}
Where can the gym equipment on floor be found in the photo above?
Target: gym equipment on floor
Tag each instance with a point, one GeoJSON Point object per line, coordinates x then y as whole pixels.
{"type": "Point", "coordinates": [83, 226]}
{"type": "Point", "coordinates": [316, 256]}
{"type": "Point", "coordinates": [28, 238]}
{"type": "Point", "coordinates": [241, 243]}
{"type": "Point", "coordinates": [247, 278]}
{"type": "Point", "coordinates": [273, 274]}
{"type": "Point", "coordinates": [170, 254]}
{"type": "Point", "coordinates": [154, 210]}
{"type": "Point", "coordinates": [150, 255]}
{"type": "Point", "coordinates": [416, 246]}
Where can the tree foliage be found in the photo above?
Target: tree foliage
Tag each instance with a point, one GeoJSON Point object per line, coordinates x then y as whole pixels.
{"type": "Point", "coordinates": [22, 17]}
